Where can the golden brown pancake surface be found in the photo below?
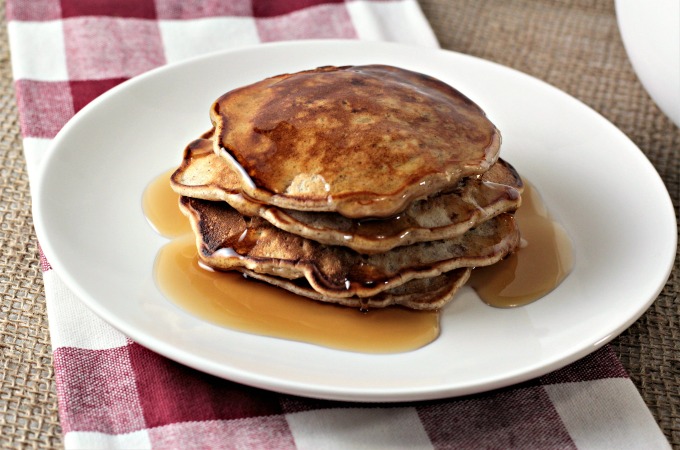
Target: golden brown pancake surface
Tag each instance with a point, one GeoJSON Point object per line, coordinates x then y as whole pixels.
{"type": "Point", "coordinates": [358, 140]}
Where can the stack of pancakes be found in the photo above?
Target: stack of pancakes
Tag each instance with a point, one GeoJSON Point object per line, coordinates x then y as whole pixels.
{"type": "Point", "coordinates": [364, 186]}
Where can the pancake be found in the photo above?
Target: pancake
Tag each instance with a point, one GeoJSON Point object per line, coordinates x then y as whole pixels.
{"type": "Point", "coordinates": [363, 141]}
{"type": "Point", "coordinates": [474, 200]}
{"type": "Point", "coordinates": [227, 240]}
{"type": "Point", "coordinates": [421, 294]}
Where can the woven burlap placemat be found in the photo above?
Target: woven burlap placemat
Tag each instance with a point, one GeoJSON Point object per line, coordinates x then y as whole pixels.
{"type": "Point", "coordinates": [574, 45]}
{"type": "Point", "coordinates": [28, 399]}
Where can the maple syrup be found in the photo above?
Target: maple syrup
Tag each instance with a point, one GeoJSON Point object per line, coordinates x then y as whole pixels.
{"type": "Point", "coordinates": [229, 299]}
{"type": "Point", "coordinates": [159, 203]}
{"type": "Point", "coordinates": [541, 264]}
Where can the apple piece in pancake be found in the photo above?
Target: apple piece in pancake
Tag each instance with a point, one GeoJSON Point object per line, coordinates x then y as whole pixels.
{"type": "Point", "coordinates": [363, 141]}
{"type": "Point", "coordinates": [227, 240]}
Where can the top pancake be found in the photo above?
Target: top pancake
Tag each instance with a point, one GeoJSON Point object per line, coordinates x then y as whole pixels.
{"type": "Point", "coordinates": [364, 141]}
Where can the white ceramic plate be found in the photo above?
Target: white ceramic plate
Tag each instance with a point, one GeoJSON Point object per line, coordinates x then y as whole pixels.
{"type": "Point", "coordinates": [605, 192]}
{"type": "Point", "coordinates": [651, 35]}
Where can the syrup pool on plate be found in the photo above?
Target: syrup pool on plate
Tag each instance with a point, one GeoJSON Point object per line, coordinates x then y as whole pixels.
{"type": "Point", "coordinates": [229, 299]}
{"type": "Point", "coordinates": [543, 261]}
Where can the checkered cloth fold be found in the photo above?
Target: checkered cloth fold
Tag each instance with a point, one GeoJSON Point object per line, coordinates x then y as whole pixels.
{"type": "Point", "coordinates": [114, 393]}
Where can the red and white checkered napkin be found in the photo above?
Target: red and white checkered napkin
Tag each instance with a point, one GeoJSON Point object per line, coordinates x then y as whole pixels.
{"type": "Point", "coordinates": [114, 393]}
